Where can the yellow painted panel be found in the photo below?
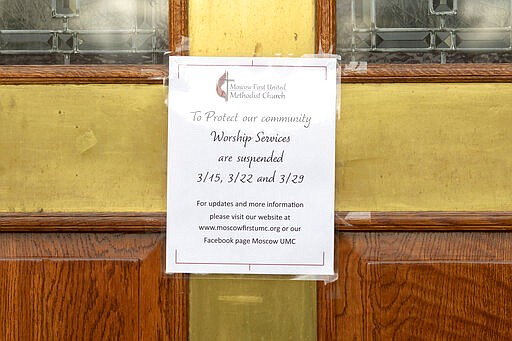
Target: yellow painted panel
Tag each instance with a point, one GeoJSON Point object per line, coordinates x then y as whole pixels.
{"type": "Point", "coordinates": [82, 148]}
{"type": "Point", "coordinates": [241, 309]}
{"type": "Point", "coordinates": [249, 27]}
{"type": "Point", "coordinates": [400, 147]}
{"type": "Point", "coordinates": [424, 147]}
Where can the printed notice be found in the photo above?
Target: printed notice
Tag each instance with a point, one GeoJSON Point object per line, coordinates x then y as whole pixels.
{"type": "Point", "coordinates": [250, 186]}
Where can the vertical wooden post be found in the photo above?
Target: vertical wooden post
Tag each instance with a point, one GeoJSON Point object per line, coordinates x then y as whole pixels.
{"type": "Point", "coordinates": [178, 26]}
{"type": "Point", "coordinates": [325, 34]}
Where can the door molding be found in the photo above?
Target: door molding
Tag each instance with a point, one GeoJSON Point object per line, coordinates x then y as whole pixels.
{"type": "Point", "coordinates": [136, 222]}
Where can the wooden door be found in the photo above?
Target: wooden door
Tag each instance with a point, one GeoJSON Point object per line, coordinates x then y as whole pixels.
{"type": "Point", "coordinates": [79, 274]}
{"type": "Point", "coordinates": [423, 217]}
{"type": "Point", "coordinates": [84, 278]}
{"type": "Point", "coordinates": [81, 268]}
{"type": "Point", "coordinates": [418, 286]}
{"type": "Point", "coordinates": [70, 274]}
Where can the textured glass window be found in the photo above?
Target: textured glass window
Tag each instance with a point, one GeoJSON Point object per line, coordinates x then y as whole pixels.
{"type": "Point", "coordinates": [424, 31]}
{"type": "Point", "coordinates": [83, 31]}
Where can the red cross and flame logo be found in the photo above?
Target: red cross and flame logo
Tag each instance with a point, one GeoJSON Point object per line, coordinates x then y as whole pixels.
{"type": "Point", "coordinates": [223, 80]}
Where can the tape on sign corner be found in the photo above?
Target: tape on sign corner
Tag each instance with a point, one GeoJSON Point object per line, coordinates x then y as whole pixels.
{"type": "Point", "coordinates": [330, 279]}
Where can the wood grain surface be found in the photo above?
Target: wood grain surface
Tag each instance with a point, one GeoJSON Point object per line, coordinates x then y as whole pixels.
{"type": "Point", "coordinates": [22, 303]}
{"type": "Point", "coordinates": [83, 222]}
{"type": "Point", "coordinates": [430, 73]}
{"type": "Point", "coordinates": [344, 221]}
{"type": "Point", "coordinates": [423, 221]}
{"type": "Point", "coordinates": [89, 287]}
{"type": "Point", "coordinates": [82, 74]}
{"type": "Point", "coordinates": [325, 32]}
{"type": "Point", "coordinates": [155, 74]}
{"type": "Point", "coordinates": [90, 299]}
{"type": "Point", "coordinates": [421, 286]}
{"type": "Point", "coordinates": [178, 27]}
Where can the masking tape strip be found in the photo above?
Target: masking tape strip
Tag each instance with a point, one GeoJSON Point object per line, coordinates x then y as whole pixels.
{"type": "Point", "coordinates": [357, 67]}
{"type": "Point", "coordinates": [355, 217]}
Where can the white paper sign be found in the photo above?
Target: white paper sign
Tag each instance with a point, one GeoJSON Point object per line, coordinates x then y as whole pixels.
{"type": "Point", "coordinates": [250, 186]}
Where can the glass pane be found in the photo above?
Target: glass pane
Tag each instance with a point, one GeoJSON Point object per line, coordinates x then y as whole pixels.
{"type": "Point", "coordinates": [424, 31]}
{"type": "Point", "coordinates": [83, 31]}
